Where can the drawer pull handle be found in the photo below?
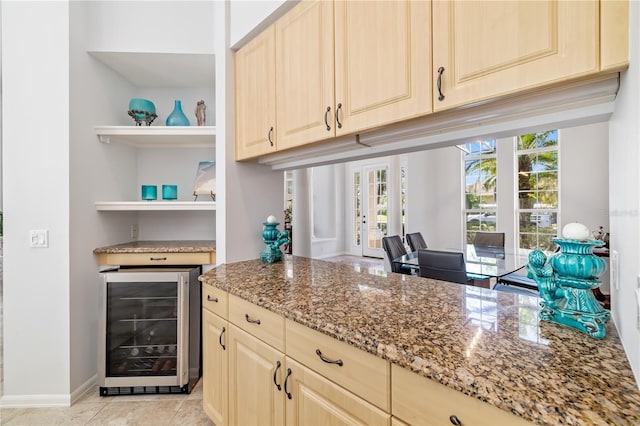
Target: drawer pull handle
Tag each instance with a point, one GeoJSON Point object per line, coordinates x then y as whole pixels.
{"type": "Point", "coordinates": [157, 258]}
{"type": "Point", "coordinates": [286, 380]}
{"type": "Point", "coordinates": [327, 360]}
{"type": "Point", "coordinates": [338, 116]}
{"type": "Point", "coordinates": [275, 373]}
{"type": "Point", "coordinates": [224, 348]}
{"type": "Point", "coordinates": [439, 83]}
{"type": "Point", "coordinates": [454, 421]}
{"type": "Point", "coordinates": [269, 135]}
{"type": "Point", "coordinates": [212, 299]}
{"type": "Point", "coordinates": [257, 321]}
{"type": "Point", "coordinates": [326, 123]}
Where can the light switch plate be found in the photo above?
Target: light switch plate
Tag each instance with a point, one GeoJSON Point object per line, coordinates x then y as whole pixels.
{"type": "Point", "coordinates": [39, 238]}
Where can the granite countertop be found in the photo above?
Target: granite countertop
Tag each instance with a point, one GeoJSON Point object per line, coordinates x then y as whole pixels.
{"type": "Point", "coordinates": [484, 343]}
{"type": "Point", "coordinates": [172, 246]}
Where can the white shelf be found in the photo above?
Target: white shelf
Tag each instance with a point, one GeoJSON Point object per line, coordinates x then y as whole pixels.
{"type": "Point", "coordinates": [132, 206]}
{"type": "Point", "coordinates": [159, 136]}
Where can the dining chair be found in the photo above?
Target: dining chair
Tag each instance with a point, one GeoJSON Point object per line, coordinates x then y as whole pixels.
{"type": "Point", "coordinates": [442, 265]}
{"type": "Point", "coordinates": [489, 240]}
{"type": "Point", "coordinates": [415, 240]}
{"type": "Point", "coordinates": [393, 247]}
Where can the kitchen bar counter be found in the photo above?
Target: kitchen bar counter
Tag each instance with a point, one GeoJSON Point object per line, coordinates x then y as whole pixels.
{"type": "Point", "coordinates": [486, 344]}
{"type": "Point", "coordinates": [171, 252]}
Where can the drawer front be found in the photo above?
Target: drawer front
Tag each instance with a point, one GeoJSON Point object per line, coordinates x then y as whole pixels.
{"type": "Point", "coordinates": [261, 323]}
{"type": "Point", "coordinates": [215, 300]}
{"type": "Point", "coordinates": [421, 401]}
{"type": "Point", "coordinates": [362, 373]}
{"type": "Point", "coordinates": [208, 258]}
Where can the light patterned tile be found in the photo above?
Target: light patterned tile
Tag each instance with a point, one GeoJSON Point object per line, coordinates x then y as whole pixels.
{"type": "Point", "coordinates": [191, 413]}
{"type": "Point", "coordinates": [153, 413]}
{"type": "Point", "coordinates": [79, 414]}
{"type": "Point", "coordinates": [196, 393]}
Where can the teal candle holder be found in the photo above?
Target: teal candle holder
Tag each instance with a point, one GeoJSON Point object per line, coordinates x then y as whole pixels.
{"type": "Point", "coordinates": [169, 192]}
{"type": "Point", "coordinates": [149, 192]}
{"type": "Point", "coordinates": [273, 239]}
{"type": "Point", "coordinates": [566, 282]}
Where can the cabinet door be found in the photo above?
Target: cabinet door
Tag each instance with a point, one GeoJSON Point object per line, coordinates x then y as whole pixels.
{"type": "Point", "coordinates": [317, 401]}
{"type": "Point", "coordinates": [304, 74]}
{"type": "Point", "coordinates": [491, 49]}
{"type": "Point", "coordinates": [255, 372]}
{"type": "Point", "coordinates": [215, 368]}
{"type": "Point", "coordinates": [256, 97]}
{"type": "Point", "coordinates": [383, 62]}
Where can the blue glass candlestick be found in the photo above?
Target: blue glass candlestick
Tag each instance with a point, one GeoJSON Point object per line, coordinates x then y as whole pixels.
{"type": "Point", "coordinates": [149, 192]}
{"type": "Point", "coordinates": [169, 192]}
{"type": "Point", "coordinates": [566, 284]}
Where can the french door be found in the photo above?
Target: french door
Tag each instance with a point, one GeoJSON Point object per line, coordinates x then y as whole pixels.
{"type": "Point", "coordinates": [374, 202]}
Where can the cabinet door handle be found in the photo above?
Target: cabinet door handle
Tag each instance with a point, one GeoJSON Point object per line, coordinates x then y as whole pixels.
{"type": "Point", "coordinates": [454, 421]}
{"type": "Point", "coordinates": [212, 299]}
{"type": "Point", "coordinates": [224, 348]}
{"type": "Point", "coordinates": [275, 373]}
{"type": "Point", "coordinates": [256, 321]}
{"type": "Point", "coordinates": [327, 360]}
{"type": "Point", "coordinates": [269, 135]}
{"type": "Point", "coordinates": [439, 83]}
{"type": "Point", "coordinates": [326, 123]}
{"type": "Point", "coordinates": [157, 258]}
{"type": "Point", "coordinates": [286, 380]}
{"type": "Point", "coordinates": [338, 116]}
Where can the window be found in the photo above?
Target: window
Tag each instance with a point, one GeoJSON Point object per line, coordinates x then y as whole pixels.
{"type": "Point", "coordinates": [537, 167]}
{"type": "Point", "coordinates": [480, 168]}
{"type": "Point", "coordinates": [357, 209]}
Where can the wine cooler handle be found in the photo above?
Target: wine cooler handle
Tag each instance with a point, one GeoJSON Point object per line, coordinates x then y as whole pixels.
{"type": "Point", "coordinates": [275, 374]}
{"type": "Point", "coordinates": [256, 321]}
{"type": "Point", "coordinates": [212, 299]}
{"type": "Point", "coordinates": [286, 380]}
{"type": "Point", "coordinates": [224, 348]}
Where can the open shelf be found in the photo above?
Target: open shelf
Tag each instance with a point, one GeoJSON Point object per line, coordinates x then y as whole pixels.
{"type": "Point", "coordinates": [155, 205]}
{"type": "Point", "coordinates": [159, 136]}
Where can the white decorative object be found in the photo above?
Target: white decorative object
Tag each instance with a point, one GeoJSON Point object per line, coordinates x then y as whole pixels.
{"type": "Point", "coordinates": [576, 231]}
{"type": "Point", "coordinates": [206, 180]}
{"type": "Point", "coordinates": [272, 219]}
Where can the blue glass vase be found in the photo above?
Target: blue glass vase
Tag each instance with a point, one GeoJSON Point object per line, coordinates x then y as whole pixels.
{"type": "Point", "coordinates": [177, 117]}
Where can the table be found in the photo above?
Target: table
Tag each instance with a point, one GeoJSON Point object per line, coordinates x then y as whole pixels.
{"type": "Point", "coordinates": [482, 263]}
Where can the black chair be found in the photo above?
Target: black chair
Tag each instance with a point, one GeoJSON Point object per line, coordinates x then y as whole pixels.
{"type": "Point", "coordinates": [416, 242]}
{"type": "Point", "coordinates": [518, 280]}
{"type": "Point", "coordinates": [394, 248]}
{"type": "Point", "coordinates": [489, 240]}
{"type": "Point", "coordinates": [442, 265]}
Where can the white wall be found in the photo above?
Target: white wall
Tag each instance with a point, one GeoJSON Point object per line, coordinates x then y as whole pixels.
{"type": "Point", "coordinates": [328, 211]}
{"type": "Point", "coordinates": [35, 89]}
{"type": "Point", "coordinates": [248, 18]}
{"type": "Point", "coordinates": [624, 196]}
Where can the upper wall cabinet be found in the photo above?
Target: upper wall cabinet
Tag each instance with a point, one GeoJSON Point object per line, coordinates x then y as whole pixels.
{"type": "Point", "coordinates": [482, 50]}
{"type": "Point", "coordinates": [376, 71]}
{"type": "Point", "coordinates": [256, 97]}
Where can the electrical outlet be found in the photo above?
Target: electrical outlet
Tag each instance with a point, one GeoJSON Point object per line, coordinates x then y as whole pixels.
{"type": "Point", "coordinates": [39, 238]}
{"type": "Point", "coordinates": [134, 231]}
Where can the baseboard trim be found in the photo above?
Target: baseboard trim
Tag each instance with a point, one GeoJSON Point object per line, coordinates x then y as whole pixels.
{"type": "Point", "coordinates": [51, 400]}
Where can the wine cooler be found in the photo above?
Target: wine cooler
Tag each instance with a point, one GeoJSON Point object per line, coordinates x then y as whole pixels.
{"type": "Point", "coordinates": [150, 331]}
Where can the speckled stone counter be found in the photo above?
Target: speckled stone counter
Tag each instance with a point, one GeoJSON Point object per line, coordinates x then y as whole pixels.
{"type": "Point", "coordinates": [486, 344]}
{"type": "Point", "coordinates": [173, 246]}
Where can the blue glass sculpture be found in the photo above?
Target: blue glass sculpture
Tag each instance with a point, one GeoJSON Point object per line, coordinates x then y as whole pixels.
{"type": "Point", "coordinates": [566, 282]}
{"type": "Point", "coordinates": [273, 239]}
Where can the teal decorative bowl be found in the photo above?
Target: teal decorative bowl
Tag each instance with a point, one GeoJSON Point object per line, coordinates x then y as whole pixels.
{"type": "Point", "coordinates": [142, 111]}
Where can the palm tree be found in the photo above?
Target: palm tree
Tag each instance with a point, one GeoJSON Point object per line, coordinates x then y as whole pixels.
{"type": "Point", "coordinates": [542, 161]}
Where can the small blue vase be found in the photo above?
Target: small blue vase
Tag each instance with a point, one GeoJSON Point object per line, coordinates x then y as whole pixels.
{"type": "Point", "coordinates": [177, 117]}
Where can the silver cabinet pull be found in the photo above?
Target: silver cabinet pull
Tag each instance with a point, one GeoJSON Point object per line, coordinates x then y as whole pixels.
{"type": "Point", "coordinates": [157, 258]}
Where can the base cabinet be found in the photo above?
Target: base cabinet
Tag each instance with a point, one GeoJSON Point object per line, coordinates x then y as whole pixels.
{"type": "Point", "coordinates": [256, 394]}
{"type": "Point", "coordinates": [215, 379]}
{"type": "Point", "coordinates": [317, 401]}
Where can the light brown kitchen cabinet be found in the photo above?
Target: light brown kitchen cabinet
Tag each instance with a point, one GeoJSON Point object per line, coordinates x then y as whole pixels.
{"type": "Point", "coordinates": [382, 63]}
{"type": "Point", "coordinates": [304, 74]}
{"type": "Point", "coordinates": [484, 50]}
{"type": "Point", "coordinates": [376, 71]}
{"type": "Point", "coordinates": [256, 379]}
{"type": "Point", "coordinates": [417, 400]}
{"type": "Point", "coordinates": [215, 388]}
{"type": "Point", "coordinates": [255, 96]}
{"type": "Point", "coordinates": [317, 401]}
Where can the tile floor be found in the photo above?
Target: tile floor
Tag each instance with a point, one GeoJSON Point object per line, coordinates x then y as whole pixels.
{"type": "Point", "coordinates": [92, 409]}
